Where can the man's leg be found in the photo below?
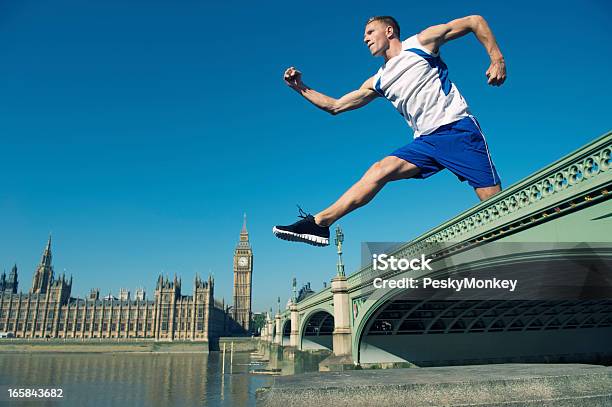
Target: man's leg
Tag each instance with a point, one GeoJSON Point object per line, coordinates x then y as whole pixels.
{"type": "Point", "coordinates": [487, 192]}
{"type": "Point", "coordinates": [388, 169]}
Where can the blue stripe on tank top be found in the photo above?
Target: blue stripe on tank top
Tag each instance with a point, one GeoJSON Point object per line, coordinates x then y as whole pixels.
{"type": "Point", "coordinates": [377, 87]}
{"type": "Point", "coordinates": [436, 62]}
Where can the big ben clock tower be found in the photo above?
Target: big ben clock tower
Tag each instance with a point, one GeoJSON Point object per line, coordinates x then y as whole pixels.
{"type": "Point", "coordinates": [243, 270]}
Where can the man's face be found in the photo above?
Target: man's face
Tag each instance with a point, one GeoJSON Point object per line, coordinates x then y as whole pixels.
{"type": "Point", "coordinates": [375, 38]}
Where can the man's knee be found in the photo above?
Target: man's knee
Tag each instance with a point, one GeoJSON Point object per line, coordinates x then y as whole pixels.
{"type": "Point", "coordinates": [487, 192]}
{"type": "Point", "coordinates": [378, 172]}
{"type": "Point", "coordinates": [390, 169]}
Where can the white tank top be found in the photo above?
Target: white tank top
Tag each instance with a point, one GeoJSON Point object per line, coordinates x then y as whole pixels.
{"type": "Point", "coordinates": [416, 82]}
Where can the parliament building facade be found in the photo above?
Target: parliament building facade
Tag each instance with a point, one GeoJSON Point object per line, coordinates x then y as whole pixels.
{"type": "Point", "coordinates": [49, 311]}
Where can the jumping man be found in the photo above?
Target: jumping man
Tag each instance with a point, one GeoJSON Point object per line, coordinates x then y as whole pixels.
{"type": "Point", "coordinates": [415, 80]}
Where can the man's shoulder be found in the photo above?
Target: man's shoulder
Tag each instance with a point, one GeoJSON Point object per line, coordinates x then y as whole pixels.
{"type": "Point", "coordinates": [411, 42]}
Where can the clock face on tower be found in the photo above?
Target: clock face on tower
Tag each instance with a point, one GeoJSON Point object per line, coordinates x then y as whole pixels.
{"type": "Point", "coordinates": [242, 261]}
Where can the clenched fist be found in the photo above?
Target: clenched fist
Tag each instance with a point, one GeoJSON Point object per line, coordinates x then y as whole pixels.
{"type": "Point", "coordinates": [496, 73]}
{"type": "Point", "coordinates": [293, 77]}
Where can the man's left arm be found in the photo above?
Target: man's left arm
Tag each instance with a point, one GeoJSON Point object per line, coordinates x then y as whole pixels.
{"type": "Point", "coordinates": [434, 37]}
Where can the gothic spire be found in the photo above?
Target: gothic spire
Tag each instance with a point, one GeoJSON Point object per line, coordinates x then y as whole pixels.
{"type": "Point", "coordinates": [244, 235]}
{"type": "Point", "coordinates": [244, 227]}
{"type": "Point", "coordinates": [46, 257]}
{"type": "Point", "coordinates": [43, 277]}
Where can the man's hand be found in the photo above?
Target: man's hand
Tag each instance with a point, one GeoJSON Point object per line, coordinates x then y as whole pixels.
{"type": "Point", "coordinates": [496, 72]}
{"type": "Point", "coordinates": [293, 78]}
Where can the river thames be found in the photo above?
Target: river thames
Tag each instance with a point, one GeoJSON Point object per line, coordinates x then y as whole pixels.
{"type": "Point", "coordinates": [131, 379]}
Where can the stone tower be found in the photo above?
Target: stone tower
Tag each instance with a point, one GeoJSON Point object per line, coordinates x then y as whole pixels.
{"type": "Point", "coordinates": [243, 271]}
{"type": "Point", "coordinates": [44, 273]}
{"type": "Point", "coordinates": [203, 302]}
{"type": "Point", "coordinates": [11, 283]}
{"type": "Point", "coordinates": [167, 294]}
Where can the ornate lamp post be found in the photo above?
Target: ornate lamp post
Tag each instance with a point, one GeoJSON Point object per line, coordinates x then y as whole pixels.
{"type": "Point", "coordinates": [338, 240]}
{"type": "Point", "coordinates": [293, 335]}
{"type": "Point", "coordinates": [278, 334]}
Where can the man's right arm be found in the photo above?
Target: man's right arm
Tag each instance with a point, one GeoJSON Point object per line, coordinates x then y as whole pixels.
{"type": "Point", "coordinates": [352, 100]}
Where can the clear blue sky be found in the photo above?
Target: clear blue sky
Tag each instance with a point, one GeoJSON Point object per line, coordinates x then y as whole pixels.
{"type": "Point", "coordinates": [138, 132]}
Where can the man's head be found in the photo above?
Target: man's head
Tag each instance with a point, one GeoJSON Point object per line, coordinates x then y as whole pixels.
{"type": "Point", "coordinates": [379, 31]}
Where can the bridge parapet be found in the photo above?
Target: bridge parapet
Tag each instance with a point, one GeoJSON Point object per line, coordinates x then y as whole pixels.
{"type": "Point", "coordinates": [315, 299]}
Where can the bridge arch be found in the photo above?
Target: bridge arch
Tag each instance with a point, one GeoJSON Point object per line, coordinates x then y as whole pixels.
{"type": "Point", "coordinates": [317, 330]}
{"type": "Point", "coordinates": [447, 332]}
{"type": "Point", "coordinates": [286, 331]}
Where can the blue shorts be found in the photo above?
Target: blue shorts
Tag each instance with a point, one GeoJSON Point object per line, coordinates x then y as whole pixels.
{"type": "Point", "coordinates": [459, 146]}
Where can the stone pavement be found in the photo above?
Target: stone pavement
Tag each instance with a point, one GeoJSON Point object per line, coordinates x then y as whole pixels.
{"type": "Point", "coordinates": [516, 385]}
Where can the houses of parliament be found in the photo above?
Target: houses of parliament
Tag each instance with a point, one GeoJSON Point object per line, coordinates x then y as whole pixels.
{"type": "Point", "coordinates": [49, 311]}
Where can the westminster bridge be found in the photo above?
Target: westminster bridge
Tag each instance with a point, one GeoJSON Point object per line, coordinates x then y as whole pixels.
{"type": "Point", "coordinates": [549, 232]}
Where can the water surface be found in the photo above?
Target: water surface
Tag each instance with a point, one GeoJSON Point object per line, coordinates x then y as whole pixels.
{"type": "Point", "coordinates": [132, 379]}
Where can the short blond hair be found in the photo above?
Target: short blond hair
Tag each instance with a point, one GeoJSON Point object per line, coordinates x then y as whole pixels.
{"type": "Point", "coordinates": [387, 20]}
